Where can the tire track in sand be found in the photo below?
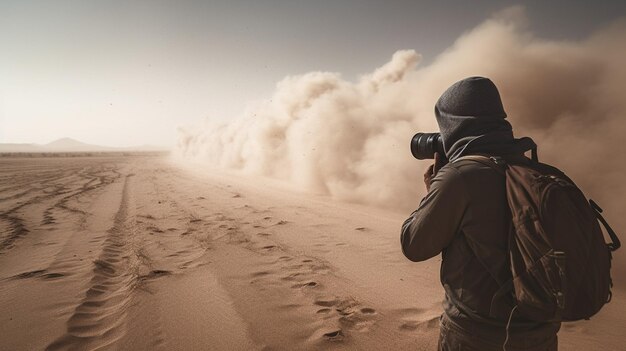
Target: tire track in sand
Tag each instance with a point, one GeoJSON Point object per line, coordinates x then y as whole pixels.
{"type": "Point", "coordinates": [99, 320]}
{"type": "Point", "coordinates": [16, 227]}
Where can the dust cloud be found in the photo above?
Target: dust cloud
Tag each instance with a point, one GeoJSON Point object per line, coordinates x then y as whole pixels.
{"type": "Point", "coordinates": [350, 139]}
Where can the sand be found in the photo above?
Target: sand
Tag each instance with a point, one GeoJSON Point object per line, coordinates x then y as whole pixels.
{"type": "Point", "coordinates": [139, 253]}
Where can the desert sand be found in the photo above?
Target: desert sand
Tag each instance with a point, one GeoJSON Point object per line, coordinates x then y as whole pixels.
{"type": "Point", "coordinates": [139, 253]}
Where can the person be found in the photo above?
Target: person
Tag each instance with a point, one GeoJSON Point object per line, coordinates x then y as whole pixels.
{"type": "Point", "coordinates": [465, 217]}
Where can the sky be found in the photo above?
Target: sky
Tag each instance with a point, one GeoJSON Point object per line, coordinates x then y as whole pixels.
{"type": "Point", "coordinates": [120, 73]}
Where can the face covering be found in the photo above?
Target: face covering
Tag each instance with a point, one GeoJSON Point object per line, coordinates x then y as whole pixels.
{"type": "Point", "coordinates": [472, 120]}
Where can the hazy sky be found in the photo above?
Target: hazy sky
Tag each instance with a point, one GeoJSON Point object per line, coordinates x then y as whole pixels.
{"type": "Point", "coordinates": [125, 73]}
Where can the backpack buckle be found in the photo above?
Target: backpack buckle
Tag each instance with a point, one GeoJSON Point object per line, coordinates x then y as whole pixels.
{"type": "Point", "coordinates": [498, 160]}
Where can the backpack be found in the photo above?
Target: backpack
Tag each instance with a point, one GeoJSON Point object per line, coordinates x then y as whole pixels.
{"type": "Point", "coordinates": [560, 263]}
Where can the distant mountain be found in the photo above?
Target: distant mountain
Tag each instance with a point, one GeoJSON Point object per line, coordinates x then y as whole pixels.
{"type": "Point", "coordinates": [71, 145]}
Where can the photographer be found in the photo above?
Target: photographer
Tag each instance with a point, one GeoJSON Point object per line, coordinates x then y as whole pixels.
{"type": "Point", "coordinates": [465, 217]}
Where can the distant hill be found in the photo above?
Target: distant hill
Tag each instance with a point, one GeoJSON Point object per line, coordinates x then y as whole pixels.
{"type": "Point", "coordinates": [71, 145]}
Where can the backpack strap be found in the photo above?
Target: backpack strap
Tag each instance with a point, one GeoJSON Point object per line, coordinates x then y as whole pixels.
{"type": "Point", "coordinates": [496, 162]}
{"type": "Point", "coordinates": [533, 154]}
{"type": "Point", "coordinates": [615, 243]}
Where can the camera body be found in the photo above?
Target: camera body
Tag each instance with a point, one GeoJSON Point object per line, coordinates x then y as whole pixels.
{"type": "Point", "coordinates": [424, 145]}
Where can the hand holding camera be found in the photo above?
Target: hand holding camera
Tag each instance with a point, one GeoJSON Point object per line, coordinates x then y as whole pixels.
{"type": "Point", "coordinates": [429, 146]}
{"type": "Point", "coordinates": [432, 170]}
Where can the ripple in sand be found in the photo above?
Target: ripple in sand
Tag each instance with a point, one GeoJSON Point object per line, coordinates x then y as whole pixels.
{"type": "Point", "coordinates": [29, 274]}
{"type": "Point", "coordinates": [53, 275]}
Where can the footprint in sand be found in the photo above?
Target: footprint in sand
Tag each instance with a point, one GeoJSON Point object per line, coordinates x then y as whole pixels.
{"type": "Point", "coordinates": [348, 312]}
{"type": "Point", "coordinates": [305, 285]}
{"type": "Point", "coordinates": [411, 325]}
{"type": "Point", "coordinates": [154, 229]}
{"type": "Point", "coordinates": [292, 277]}
{"type": "Point", "coordinates": [326, 301]}
{"type": "Point", "coordinates": [259, 274]}
{"type": "Point", "coordinates": [155, 273]}
{"type": "Point", "coordinates": [335, 335]}
{"type": "Point", "coordinates": [270, 247]}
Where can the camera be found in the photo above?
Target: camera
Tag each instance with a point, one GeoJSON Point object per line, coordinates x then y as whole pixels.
{"type": "Point", "coordinates": [424, 145]}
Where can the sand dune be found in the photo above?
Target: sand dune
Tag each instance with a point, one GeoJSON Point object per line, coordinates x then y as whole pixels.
{"type": "Point", "coordinates": [135, 253]}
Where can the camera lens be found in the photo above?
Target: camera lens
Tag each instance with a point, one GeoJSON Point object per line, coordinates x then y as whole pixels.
{"type": "Point", "coordinates": [424, 145]}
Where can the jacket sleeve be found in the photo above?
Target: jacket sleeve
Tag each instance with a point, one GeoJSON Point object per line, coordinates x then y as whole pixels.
{"type": "Point", "coordinates": [437, 220]}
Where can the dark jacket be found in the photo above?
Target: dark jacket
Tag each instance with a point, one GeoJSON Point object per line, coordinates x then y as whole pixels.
{"type": "Point", "coordinates": [465, 215]}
